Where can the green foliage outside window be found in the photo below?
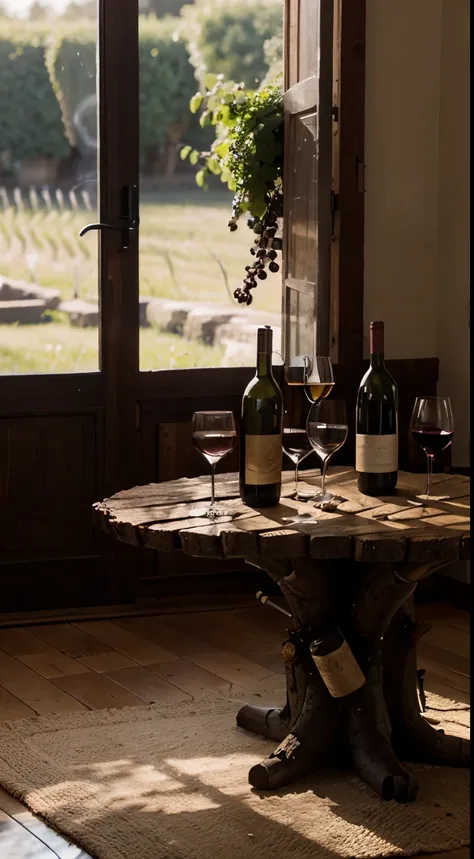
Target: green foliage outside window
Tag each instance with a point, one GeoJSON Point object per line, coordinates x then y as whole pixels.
{"type": "Point", "coordinates": [30, 117]}
{"type": "Point", "coordinates": [228, 37]}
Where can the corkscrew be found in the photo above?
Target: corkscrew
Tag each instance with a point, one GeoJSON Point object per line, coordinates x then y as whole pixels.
{"type": "Point", "coordinates": [266, 601]}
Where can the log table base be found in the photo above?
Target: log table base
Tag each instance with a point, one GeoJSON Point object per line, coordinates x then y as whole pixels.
{"type": "Point", "coordinates": [375, 727]}
{"type": "Point", "coordinates": [355, 571]}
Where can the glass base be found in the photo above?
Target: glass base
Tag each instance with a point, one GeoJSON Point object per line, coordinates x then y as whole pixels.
{"type": "Point", "coordinates": [301, 495]}
{"type": "Point", "coordinates": [214, 512]}
{"type": "Point", "coordinates": [300, 519]}
{"type": "Point", "coordinates": [326, 500]}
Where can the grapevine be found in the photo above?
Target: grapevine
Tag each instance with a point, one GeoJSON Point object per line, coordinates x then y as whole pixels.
{"type": "Point", "coordinates": [247, 155]}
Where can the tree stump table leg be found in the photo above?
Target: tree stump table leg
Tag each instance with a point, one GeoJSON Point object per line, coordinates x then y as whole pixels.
{"type": "Point", "coordinates": [366, 729]}
{"type": "Point", "coordinates": [412, 736]}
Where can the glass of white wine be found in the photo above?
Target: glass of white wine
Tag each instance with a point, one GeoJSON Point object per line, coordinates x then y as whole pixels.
{"type": "Point", "coordinates": [214, 437]}
{"type": "Point", "coordinates": [327, 431]}
{"type": "Point", "coordinates": [321, 379]}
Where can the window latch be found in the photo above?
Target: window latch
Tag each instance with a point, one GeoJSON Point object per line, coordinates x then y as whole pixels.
{"type": "Point", "coordinates": [129, 218]}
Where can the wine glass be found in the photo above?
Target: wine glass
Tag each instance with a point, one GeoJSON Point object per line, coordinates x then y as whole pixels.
{"type": "Point", "coordinates": [432, 426]}
{"type": "Point", "coordinates": [321, 379]}
{"type": "Point", "coordinates": [327, 432]}
{"type": "Point", "coordinates": [214, 436]}
{"type": "Point", "coordinates": [297, 447]}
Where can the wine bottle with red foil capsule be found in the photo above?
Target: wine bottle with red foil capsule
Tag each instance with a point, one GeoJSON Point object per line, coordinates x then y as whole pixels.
{"type": "Point", "coordinates": [377, 423]}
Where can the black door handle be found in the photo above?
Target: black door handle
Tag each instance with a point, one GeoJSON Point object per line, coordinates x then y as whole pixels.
{"type": "Point", "coordinates": [129, 219]}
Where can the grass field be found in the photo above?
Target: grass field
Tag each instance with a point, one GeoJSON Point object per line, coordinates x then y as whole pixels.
{"type": "Point", "coordinates": [56, 348]}
{"type": "Point", "coordinates": [186, 252]}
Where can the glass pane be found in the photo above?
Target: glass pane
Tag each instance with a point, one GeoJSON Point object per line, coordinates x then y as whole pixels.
{"type": "Point", "coordinates": [190, 262]}
{"type": "Point", "coordinates": [48, 187]}
{"type": "Point", "coordinates": [302, 217]}
{"type": "Point", "coordinates": [301, 329]}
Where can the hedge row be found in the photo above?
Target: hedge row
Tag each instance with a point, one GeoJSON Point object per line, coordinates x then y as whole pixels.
{"type": "Point", "coordinates": [30, 117]}
{"type": "Point", "coordinates": [48, 80]}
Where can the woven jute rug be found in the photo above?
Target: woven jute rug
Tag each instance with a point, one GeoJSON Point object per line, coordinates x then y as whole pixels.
{"type": "Point", "coordinates": [171, 783]}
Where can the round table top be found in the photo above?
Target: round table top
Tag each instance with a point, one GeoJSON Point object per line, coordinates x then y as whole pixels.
{"type": "Point", "coordinates": [402, 527]}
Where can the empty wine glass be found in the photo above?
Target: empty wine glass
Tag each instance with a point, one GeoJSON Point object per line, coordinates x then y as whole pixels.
{"type": "Point", "coordinates": [432, 426]}
{"type": "Point", "coordinates": [327, 432]}
{"type": "Point", "coordinates": [214, 436]}
{"type": "Point", "coordinates": [297, 447]}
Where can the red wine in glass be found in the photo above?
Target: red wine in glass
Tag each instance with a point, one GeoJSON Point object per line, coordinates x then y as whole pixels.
{"type": "Point", "coordinates": [214, 445]}
{"type": "Point", "coordinates": [214, 437]}
{"type": "Point", "coordinates": [432, 426]}
{"type": "Point", "coordinates": [432, 439]}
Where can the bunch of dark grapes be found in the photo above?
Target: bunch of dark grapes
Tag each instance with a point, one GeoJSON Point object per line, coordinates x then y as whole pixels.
{"type": "Point", "coordinates": [264, 251]}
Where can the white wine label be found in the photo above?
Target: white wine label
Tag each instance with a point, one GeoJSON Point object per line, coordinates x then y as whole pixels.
{"type": "Point", "coordinates": [340, 671]}
{"type": "Point", "coordinates": [376, 454]}
{"type": "Point", "coordinates": [263, 456]}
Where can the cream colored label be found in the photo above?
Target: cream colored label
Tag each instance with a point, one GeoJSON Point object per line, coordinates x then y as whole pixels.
{"type": "Point", "coordinates": [340, 671]}
{"type": "Point", "coordinates": [376, 454]}
{"type": "Point", "coordinates": [263, 455]}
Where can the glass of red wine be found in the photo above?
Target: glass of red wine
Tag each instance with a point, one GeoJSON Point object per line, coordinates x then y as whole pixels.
{"type": "Point", "coordinates": [432, 426]}
{"type": "Point", "coordinates": [297, 447]}
{"type": "Point", "coordinates": [327, 431]}
{"type": "Point", "coordinates": [214, 437]}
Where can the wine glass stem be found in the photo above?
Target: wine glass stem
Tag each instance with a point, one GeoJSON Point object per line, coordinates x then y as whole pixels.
{"type": "Point", "coordinates": [213, 491]}
{"type": "Point", "coordinates": [296, 477]}
{"type": "Point", "coordinates": [430, 461]}
{"type": "Point", "coordinates": [323, 480]}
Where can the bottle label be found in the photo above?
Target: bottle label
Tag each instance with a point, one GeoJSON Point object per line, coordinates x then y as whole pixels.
{"type": "Point", "coordinates": [263, 455]}
{"type": "Point", "coordinates": [376, 454]}
{"type": "Point", "coordinates": [340, 671]}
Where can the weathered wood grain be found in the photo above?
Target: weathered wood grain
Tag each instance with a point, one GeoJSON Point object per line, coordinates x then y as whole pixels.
{"type": "Point", "coordinates": [402, 527]}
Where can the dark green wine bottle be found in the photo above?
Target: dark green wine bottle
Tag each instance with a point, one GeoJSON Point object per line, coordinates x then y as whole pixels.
{"type": "Point", "coordinates": [261, 431]}
{"type": "Point", "coordinates": [377, 423]}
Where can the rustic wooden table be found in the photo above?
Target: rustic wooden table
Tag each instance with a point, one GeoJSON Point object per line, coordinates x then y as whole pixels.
{"type": "Point", "coordinates": [354, 568]}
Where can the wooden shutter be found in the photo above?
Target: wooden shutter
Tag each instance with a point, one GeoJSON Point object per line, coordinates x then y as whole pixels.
{"type": "Point", "coordinates": [309, 27]}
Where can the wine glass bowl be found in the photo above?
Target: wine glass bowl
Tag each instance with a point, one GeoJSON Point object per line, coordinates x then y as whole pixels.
{"type": "Point", "coordinates": [319, 381]}
{"type": "Point", "coordinates": [327, 431]}
{"type": "Point", "coordinates": [214, 437]}
{"type": "Point", "coordinates": [432, 427]}
{"type": "Point", "coordinates": [297, 447]}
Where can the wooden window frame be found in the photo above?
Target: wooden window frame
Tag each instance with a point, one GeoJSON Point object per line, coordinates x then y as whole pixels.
{"type": "Point", "coordinates": [347, 258]}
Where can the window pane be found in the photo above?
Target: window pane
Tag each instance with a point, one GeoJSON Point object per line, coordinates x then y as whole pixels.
{"type": "Point", "coordinates": [301, 329]}
{"type": "Point", "coordinates": [48, 189]}
{"type": "Point", "coordinates": [190, 262]}
{"type": "Point", "coordinates": [302, 217]}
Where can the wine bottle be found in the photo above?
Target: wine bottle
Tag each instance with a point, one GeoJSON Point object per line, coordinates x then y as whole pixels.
{"type": "Point", "coordinates": [377, 423]}
{"type": "Point", "coordinates": [336, 664]}
{"type": "Point", "coordinates": [261, 431]}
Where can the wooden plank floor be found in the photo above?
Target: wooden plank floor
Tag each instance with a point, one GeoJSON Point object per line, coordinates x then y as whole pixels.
{"type": "Point", "coordinates": [90, 665]}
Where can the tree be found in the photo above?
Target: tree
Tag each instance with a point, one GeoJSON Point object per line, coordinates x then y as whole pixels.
{"type": "Point", "coordinates": [161, 8]}
{"type": "Point", "coordinates": [229, 38]}
{"type": "Point", "coordinates": [77, 10]}
{"type": "Point", "coordinates": [38, 12]}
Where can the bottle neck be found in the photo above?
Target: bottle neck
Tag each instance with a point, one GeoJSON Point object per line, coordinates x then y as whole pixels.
{"type": "Point", "coordinates": [377, 359]}
{"type": "Point", "coordinates": [264, 364]}
{"type": "Point", "coordinates": [377, 344]}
